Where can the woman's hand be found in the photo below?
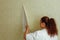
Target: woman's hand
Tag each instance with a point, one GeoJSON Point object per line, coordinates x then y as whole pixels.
{"type": "Point", "coordinates": [26, 31]}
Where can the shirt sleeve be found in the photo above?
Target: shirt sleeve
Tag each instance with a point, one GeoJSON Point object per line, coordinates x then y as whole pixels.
{"type": "Point", "coordinates": [31, 36]}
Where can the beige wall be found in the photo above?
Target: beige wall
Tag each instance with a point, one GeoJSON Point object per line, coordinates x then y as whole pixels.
{"type": "Point", "coordinates": [11, 20]}
{"type": "Point", "coordinates": [11, 16]}
{"type": "Point", "coordinates": [38, 8]}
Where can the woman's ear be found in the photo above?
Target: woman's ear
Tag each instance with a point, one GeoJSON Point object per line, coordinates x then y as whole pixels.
{"type": "Point", "coordinates": [43, 25]}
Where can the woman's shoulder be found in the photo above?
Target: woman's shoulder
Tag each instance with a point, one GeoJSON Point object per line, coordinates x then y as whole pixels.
{"type": "Point", "coordinates": [41, 31]}
{"type": "Point", "coordinates": [38, 32]}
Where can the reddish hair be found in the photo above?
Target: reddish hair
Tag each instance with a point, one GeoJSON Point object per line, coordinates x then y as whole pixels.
{"type": "Point", "coordinates": [50, 25]}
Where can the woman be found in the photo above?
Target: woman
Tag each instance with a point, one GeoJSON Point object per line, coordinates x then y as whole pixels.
{"type": "Point", "coordinates": [48, 32]}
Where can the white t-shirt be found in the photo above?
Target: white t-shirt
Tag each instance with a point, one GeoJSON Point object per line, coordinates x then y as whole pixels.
{"type": "Point", "coordinates": [40, 35]}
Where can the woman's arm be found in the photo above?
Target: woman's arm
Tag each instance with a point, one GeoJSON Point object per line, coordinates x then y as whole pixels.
{"type": "Point", "coordinates": [26, 32]}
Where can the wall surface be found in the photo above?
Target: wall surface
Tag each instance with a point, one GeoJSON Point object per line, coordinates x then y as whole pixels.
{"type": "Point", "coordinates": [11, 16]}
{"type": "Point", "coordinates": [11, 20]}
{"type": "Point", "coordinates": [38, 8]}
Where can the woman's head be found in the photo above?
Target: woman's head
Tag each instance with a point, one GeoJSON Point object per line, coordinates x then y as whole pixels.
{"type": "Point", "coordinates": [44, 21]}
{"type": "Point", "coordinates": [49, 24]}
